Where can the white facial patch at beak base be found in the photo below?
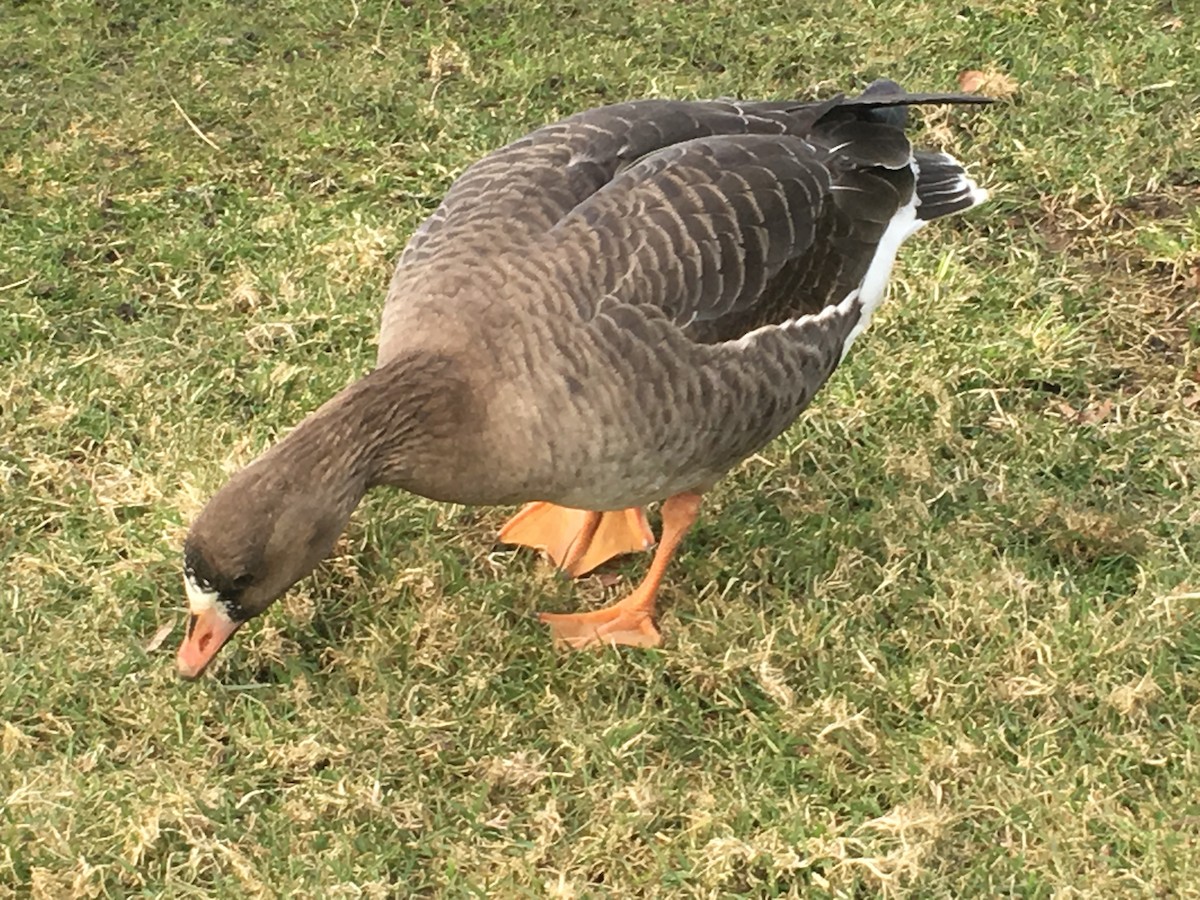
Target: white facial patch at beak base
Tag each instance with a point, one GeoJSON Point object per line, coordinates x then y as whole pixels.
{"type": "Point", "coordinates": [201, 599]}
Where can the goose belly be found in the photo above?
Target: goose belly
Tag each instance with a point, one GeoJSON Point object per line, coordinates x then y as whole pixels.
{"type": "Point", "coordinates": [631, 440]}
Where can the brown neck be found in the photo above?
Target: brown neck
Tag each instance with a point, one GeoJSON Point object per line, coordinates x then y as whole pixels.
{"type": "Point", "coordinates": [377, 431]}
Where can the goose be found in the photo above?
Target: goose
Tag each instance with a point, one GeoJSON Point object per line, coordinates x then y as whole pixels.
{"type": "Point", "coordinates": [612, 311]}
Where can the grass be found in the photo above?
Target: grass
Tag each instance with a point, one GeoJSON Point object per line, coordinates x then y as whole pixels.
{"type": "Point", "coordinates": [942, 639]}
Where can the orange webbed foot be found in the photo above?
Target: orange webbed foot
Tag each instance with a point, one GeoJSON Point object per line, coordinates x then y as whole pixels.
{"type": "Point", "coordinates": [578, 540]}
{"type": "Point", "coordinates": [630, 621]}
{"type": "Point", "coordinates": [611, 626]}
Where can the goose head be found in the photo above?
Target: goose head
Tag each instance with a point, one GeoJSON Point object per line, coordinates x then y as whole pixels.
{"type": "Point", "coordinates": [265, 530]}
{"type": "Point", "coordinates": [274, 521]}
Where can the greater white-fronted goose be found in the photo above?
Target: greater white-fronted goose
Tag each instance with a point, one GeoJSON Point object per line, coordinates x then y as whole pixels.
{"type": "Point", "coordinates": [611, 311]}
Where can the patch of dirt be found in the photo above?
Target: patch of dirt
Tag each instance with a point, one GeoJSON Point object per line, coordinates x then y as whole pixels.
{"type": "Point", "coordinates": [1064, 223]}
{"type": "Point", "coordinates": [1145, 303]}
{"type": "Point", "coordinates": [1161, 205]}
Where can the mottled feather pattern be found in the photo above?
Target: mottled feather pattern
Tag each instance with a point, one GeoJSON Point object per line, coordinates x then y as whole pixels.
{"type": "Point", "coordinates": [694, 230]}
{"type": "Point", "coordinates": [565, 163]}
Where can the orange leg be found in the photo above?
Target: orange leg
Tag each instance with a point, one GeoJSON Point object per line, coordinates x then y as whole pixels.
{"type": "Point", "coordinates": [578, 540]}
{"type": "Point", "coordinates": [630, 621]}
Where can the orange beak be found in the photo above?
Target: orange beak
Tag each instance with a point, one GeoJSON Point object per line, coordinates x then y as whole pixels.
{"type": "Point", "coordinates": [206, 634]}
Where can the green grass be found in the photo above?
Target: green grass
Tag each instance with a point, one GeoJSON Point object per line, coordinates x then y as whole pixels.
{"type": "Point", "coordinates": [942, 639]}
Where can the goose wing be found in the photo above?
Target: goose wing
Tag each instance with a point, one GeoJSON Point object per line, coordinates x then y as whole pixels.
{"type": "Point", "coordinates": [704, 230]}
{"type": "Point", "coordinates": [516, 194]}
{"type": "Point", "coordinates": [730, 232]}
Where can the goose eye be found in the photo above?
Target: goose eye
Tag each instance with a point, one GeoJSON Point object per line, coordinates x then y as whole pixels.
{"type": "Point", "coordinates": [242, 582]}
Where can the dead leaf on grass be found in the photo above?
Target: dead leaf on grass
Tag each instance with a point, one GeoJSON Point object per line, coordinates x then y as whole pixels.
{"type": "Point", "coordinates": [991, 82]}
{"type": "Point", "coordinates": [1097, 413]}
{"type": "Point", "coordinates": [1135, 696]}
{"type": "Point", "coordinates": [1089, 415]}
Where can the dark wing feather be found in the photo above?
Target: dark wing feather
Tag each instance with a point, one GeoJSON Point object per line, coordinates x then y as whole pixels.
{"type": "Point", "coordinates": [693, 228]}
{"type": "Point", "coordinates": [727, 233]}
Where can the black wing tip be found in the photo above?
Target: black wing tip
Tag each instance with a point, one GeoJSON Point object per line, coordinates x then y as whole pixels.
{"type": "Point", "coordinates": [885, 92]}
{"type": "Point", "coordinates": [882, 86]}
{"type": "Point", "coordinates": [887, 102]}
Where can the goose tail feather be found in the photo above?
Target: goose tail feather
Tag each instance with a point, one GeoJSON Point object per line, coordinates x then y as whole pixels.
{"type": "Point", "coordinates": [943, 186]}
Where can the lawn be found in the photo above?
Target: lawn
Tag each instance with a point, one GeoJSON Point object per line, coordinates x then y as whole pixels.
{"type": "Point", "coordinates": [941, 639]}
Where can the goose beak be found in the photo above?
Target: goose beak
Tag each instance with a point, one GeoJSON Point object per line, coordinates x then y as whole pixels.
{"type": "Point", "coordinates": [207, 632]}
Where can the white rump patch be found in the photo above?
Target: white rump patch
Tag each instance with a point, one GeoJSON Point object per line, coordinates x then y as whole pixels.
{"type": "Point", "coordinates": [202, 599]}
{"type": "Point", "coordinates": [873, 288]}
